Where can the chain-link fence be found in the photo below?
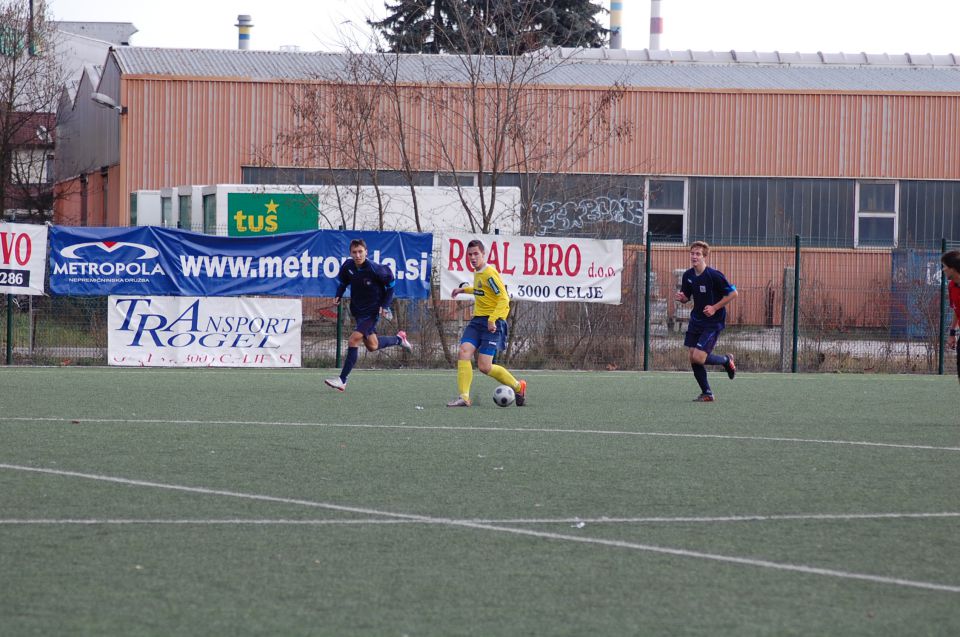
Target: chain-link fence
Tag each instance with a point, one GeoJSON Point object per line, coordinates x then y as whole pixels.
{"type": "Point", "coordinates": [799, 309]}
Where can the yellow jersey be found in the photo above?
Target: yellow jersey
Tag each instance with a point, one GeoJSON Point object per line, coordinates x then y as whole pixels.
{"type": "Point", "coordinates": [489, 293]}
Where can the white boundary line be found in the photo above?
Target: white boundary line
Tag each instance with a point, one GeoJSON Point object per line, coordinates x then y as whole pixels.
{"type": "Point", "coordinates": [598, 432]}
{"type": "Point", "coordinates": [796, 568]}
{"type": "Point", "coordinates": [373, 521]}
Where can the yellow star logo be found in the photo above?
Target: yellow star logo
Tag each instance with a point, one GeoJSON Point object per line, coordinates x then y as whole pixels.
{"type": "Point", "coordinates": [272, 207]}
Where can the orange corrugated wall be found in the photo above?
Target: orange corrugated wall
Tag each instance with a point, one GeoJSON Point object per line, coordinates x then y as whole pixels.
{"type": "Point", "coordinates": [195, 131]}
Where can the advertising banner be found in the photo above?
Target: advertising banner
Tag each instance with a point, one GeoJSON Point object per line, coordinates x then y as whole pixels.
{"type": "Point", "coordinates": [154, 261]}
{"type": "Point", "coordinates": [23, 258]}
{"type": "Point", "coordinates": [539, 268]}
{"type": "Point", "coordinates": [257, 213]}
{"type": "Point", "coordinates": [186, 331]}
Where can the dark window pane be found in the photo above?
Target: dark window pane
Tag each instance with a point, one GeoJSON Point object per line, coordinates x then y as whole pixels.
{"type": "Point", "coordinates": [184, 219]}
{"type": "Point", "coordinates": [665, 227]}
{"type": "Point", "coordinates": [876, 231]}
{"type": "Point", "coordinates": [666, 194]}
{"type": "Point", "coordinates": [877, 197]}
{"type": "Point", "coordinates": [209, 214]}
{"type": "Point", "coordinates": [460, 179]}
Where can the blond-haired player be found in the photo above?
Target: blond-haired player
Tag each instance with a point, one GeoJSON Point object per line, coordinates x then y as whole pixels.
{"type": "Point", "coordinates": [711, 292]}
{"type": "Point", "coordinates": [486, 334]}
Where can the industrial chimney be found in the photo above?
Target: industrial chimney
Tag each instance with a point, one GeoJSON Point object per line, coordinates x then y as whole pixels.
{"type": "Point", "coordinates": [616, 15]}
{"type": "Point", "coordinates": [244, 24]}
{"type": "Point", "coordinates": [656, 25]}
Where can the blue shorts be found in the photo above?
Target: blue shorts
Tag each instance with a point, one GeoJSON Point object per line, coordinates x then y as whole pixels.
{"type": "Point", "coordinates": [703, 338]}
{"type": "Point", "coordinates": [486, 342]}
{"type": "Point", "coordinates": [367, 325]}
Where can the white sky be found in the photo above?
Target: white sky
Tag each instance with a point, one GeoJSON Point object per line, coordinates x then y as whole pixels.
{"type": "Point", "coordinates": [830, 26]}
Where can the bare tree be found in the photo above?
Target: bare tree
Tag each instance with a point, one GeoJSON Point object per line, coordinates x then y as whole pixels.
{"type": "Point", "coordinates": [477, 120]}
{"type": "Point", "coordinates": [31, 79]}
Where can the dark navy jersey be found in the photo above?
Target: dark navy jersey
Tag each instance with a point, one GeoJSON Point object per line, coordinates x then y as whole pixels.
{"type": "Point", "coordinates": [371, 286]}
{"type": "Point", "coordinates": [706, 289]}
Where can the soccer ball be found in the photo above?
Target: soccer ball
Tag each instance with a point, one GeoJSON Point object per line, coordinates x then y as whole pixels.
{"type": "Point", "coordinates": [504, 396]}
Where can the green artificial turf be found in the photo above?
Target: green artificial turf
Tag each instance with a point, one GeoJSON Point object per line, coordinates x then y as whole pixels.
{"type": "Point", "coordinates": [211, 501]}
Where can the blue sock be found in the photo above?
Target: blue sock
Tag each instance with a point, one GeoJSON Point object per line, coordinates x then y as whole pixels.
{"type": "Point", "coordinates": [387, 341]}
{"type": "Point", "coordinates": [717, 359]}
{"type": "Point", "coordinates": [348, 364]}
{"type": "Point", "coordinates": [700, 373]}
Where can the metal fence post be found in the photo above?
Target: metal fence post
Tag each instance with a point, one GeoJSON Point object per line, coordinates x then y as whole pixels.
{"type": "Point", "coordinates": [943, 317]}
{"type": "Point", "coordinates": [646, 308]}
{"type": "Point", "coordinates": [786, 311]}
{"type": "Point", "coordinates": [9, 329]}
{"type": "Point", "coordinates": [796, 301]}
{"type": "Point", "coordinates": [339, 362]}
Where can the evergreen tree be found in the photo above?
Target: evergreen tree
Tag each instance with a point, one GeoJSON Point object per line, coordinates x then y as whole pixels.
{"type": "Point", "coordinates": [507, 27]}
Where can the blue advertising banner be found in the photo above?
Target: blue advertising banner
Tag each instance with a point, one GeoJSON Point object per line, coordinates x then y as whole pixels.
{"type": "Point", "coordinates": [150, 260]}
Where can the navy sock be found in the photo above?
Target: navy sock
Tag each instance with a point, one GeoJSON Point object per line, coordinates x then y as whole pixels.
{"type": "Point", "coordinates": [387, 341]}
{"type": "Point", "coordinates": [700, 373]}
{"type": "Point", "coordinates": [348, 364]}
{"type": "Point", "coordinates": [717, 359]}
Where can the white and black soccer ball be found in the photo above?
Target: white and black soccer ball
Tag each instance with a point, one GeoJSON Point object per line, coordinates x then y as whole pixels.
{"type": "Point", "coordinates": [504, 396]}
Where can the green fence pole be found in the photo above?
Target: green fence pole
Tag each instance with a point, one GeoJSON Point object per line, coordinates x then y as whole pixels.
{"type": "Point", "coordinates": [796, 302]}
{"type": "Point", "coordinates": [943, 317]}
{"type": "Point", "coordinates": [339, 362]}
{"type": "Point", "coordinates": [9, 329]}
{"type": "Point", "coordinates": [646, 308]}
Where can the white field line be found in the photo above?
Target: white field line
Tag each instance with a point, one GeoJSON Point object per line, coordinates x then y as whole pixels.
{"type": "Point", "coordinates": [843, 517]}
{"type": "Point", "coordinates": [595, 432]}
{"type": "Point", "coordinates": [796, 568]}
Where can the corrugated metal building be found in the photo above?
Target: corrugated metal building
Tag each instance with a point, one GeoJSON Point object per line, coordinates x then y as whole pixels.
{"type": "Point", "coordinates": [844, 150]}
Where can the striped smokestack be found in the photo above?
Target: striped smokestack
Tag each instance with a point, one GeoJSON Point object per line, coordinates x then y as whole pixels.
{"type": "Point", "coordinates": [244, 24]}
{"type": "Point", "coordinates": [616, 15]}
{"type": "Point", "coordinates": [656, 25]}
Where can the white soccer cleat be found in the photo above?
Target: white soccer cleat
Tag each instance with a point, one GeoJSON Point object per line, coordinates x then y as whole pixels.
{"type": "Point", "coordinates": [336, 383]}
{"type": "Point", "coordinates": [404, 343]}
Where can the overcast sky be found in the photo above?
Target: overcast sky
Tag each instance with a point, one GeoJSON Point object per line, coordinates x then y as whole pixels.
{"type": "Point", "coordinates": [830, 26]}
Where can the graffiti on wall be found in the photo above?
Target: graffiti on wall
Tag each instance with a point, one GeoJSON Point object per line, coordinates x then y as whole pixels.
{"type": "Point", "coordinates": [562, 217]}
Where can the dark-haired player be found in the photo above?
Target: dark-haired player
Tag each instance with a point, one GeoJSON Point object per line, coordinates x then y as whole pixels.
{"type": "Point", "coordinates": [951, 270]}
{"type": "Point", "coordinates": [711, 292]}
{"type": "Point", "coordinates": [371, 291]}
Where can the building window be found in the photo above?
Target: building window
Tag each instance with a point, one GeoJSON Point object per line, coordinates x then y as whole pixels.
{"type": "Point", "coordinates": [166, 212]}
{"type": "Point", "coordinates": [459, 179]}
{"type": "Point", "coordinates": [209, 214]}
{"type": "Point", "coordinates": [184, 219]}
{"type": "Point", "coordinates": [666, 206]}
{"type": "Point", "coordinates": [877, 208]}
{"type": "Point", "coordinates": [133, 208]}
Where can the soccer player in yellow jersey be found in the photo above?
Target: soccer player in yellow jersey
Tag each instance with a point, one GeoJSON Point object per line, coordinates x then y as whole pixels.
{"type": "Point", "coordinates": [487, 331]}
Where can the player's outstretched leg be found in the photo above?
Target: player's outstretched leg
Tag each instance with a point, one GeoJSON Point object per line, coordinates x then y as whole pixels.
{"type": "Point", "coordinates": [464, 380]}
{"type": "Point", "coordinates": [700, 374]}
{"type": "Point", "coordinates": [504, 377]}
{"type": "Point", "coordinates": [340, 383]}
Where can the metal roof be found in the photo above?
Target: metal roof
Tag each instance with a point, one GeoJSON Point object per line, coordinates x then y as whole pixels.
{"type": "Point", "coordinates": [677, 70]}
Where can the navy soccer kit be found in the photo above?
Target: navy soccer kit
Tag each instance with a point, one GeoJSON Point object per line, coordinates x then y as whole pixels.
{"type": "Point", "coordinates": [371, 288]}
{"type": "Point", "coordinates": [707, 288]}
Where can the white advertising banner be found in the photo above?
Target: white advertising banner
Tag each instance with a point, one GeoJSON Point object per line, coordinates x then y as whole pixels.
{"type": "Point", "coordinates": [191, 331]}
{"type": "Point", "coordinates": [539, 268]}
{"type": "Point", "coordinates": [23, 258]}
